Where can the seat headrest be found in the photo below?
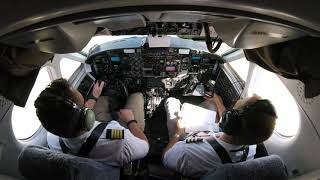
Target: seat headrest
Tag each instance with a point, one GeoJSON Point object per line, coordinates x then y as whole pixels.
{"type": "Point", "coordinates": [41, 163]}
{"type": "Point", "coordinates": [265, 168]}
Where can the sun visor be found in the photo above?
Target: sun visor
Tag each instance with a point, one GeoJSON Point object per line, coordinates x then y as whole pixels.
{"type": "Point", "coordinates": [17, 88]}
{"type": "Point", "coordinates": [19, 69]}
{"type": "Point", "coordinates": [295, 59]}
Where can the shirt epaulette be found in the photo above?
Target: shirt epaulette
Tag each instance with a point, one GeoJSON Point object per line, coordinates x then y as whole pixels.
{"type": "Point", "coordinates": [115, 134]}
{"type": "Point", "coordinates": [193, 139]}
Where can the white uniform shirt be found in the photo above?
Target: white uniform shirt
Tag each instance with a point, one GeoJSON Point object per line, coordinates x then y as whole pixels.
{"type": "Point", "coordinates": [196, 159]}
{"type": "Point", "coordinates": [110, 152]}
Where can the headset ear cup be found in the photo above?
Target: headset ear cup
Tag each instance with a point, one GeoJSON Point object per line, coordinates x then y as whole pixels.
{"type": "Point", "coordinates": [224, 123]}
{"type": "Point", "coordinates": [230, 122]}
{"type": "Point", "coordinates": [89, 119]}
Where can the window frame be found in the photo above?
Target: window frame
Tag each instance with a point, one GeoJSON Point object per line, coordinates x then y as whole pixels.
{"type": "Point", "coordinates": [40, 128]}
{"type": "Point", "coordinates": [54, 72]}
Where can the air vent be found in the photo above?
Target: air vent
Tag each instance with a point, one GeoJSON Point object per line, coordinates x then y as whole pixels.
{"type": "Point", "coordinates": [1, 149]}
{"type": "Point", "coordinates": [300, 91]}
{"type": "Point", "coordinates": [4, 106]}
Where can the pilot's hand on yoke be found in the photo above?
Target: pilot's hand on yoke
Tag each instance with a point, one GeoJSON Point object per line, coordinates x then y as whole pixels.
{"type": "Point", "coordinates": [126, 115]}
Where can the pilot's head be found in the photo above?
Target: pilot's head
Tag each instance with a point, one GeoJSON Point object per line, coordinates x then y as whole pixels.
{"type": "Point", "coordinates": [251, 121]}
{"type": "Point", "coordinates": [55, 109]}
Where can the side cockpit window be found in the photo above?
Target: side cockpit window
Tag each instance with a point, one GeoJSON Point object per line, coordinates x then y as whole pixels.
{"type": "Point", "coordinates": [241, 67]}
{"type": "Point", "coordinates": [24, 119]}
{"type": "Point", "coordinates": [269, 85]}
{"type": "Point", "coordinates": [68, 67]}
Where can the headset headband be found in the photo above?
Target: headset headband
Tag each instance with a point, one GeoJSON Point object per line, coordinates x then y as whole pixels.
{"type": "Point", "coordinates": [67, 100]}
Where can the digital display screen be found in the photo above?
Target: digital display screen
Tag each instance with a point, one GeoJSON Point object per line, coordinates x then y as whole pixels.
{"type": "Point", "coordinates": [195, 58]}
{"type": "Point", "coordinates": [115, 59]}
{"type": "Point", "coordinates": [129, 51]}
{"type": "Point", "coordinates": [147, 66]}
{"type": "Point", "coordinates": [184, 51]}
{"type": "Point", "coordinates": [170, 69]}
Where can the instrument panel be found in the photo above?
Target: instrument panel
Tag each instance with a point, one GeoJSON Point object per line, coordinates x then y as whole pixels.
{"type": "Point", "coordinates": [156, 72]}
{"type": "Point", "coordinates": [150, 62]}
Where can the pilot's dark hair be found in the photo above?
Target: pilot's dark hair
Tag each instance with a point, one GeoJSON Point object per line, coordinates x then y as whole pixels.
{"type": "Point", "coordinates": [258, 122]}
{"type": "Point", "coordinates": [55, 115]}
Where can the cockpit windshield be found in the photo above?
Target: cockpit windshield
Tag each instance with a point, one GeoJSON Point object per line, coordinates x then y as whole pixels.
{"type": "Point", "coordinates": [139, 41]}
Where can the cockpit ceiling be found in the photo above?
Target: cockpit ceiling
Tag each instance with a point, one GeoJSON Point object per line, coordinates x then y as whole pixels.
{"type": "Point", "coordinates": [237, 32]}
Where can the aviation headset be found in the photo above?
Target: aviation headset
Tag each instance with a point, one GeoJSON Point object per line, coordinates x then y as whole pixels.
{"type": "Point", "coordinates": [231, 121]}
{"type": "Point", "coordinates": [81, 116]}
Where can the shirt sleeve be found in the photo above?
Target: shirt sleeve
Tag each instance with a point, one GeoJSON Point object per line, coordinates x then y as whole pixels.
{"type": "Point", "coordinates": [252, 152]}
{"type": "Point", "coordinates": [53, 142]}
{"type": "Point", "coordinates": [175, 157]}
{"type": "Point", "coordinates": [191, 160]}
{"type": "Point", "coordinates": [133, 147]}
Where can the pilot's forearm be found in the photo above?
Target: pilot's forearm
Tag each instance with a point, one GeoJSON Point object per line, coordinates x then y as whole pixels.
{"type": "Point", "coordinates": [90, 103]}
{"type": "Point", "coordinates": [171, 143]}
{"type": "Point", "coordinates": [220, 107]}
{"type": "Point", "coordinates": [135, 130]}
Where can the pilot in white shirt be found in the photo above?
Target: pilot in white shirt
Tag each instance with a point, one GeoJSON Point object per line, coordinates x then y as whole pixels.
{"type": "Point", "coordinates": [250, 122]}
{"type": "Point", "coordinates": [107, 151]}
{"type": "Point", "coordinates": [196, 159]}
{"type": "Point", "coordinates": [70, 122]}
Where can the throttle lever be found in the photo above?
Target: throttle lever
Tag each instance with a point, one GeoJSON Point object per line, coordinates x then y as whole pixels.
{"type": "Point", "coordinates": [210, 87]}
{"type": "Point", "coordinates": [192, 84]}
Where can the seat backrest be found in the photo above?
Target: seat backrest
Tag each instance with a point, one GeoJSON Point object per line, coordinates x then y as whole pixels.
{"type": "Point", "coordinates": [37, 163]}
{"type": "Point", "coordinates": [265, 168]}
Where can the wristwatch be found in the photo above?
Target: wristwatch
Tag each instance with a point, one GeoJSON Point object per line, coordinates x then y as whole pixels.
{"type": "Point", "coordinates": [131, 121]}
{"type": "Point", "coordinates": [90, 96]}
{"type": "Point", "coordinates": [176, 136]}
